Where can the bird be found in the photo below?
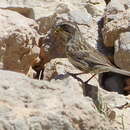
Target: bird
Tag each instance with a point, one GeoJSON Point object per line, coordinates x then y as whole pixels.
{"type": "Point", "coordinates": [81, 54]}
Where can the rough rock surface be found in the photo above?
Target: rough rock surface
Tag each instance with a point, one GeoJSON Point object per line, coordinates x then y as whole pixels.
{"type": "Point", "coordinates": [116, 31]}
{"type": "Point", "coordinates": [58, 101]}
{"type": "Point", "coordinates": [116, 21]}
{"type": "Point", "coordinates": [47, 8]}
{"type": "Point", "coordinates": [127, 87]}
{"type": "Point", "coordinates": [19, 6]}
{"type": "Point", "coordinates": [122, 51]}
{"type": "Point", "coordinates": [58, 68]}
{"type": "Point", "coordinates": [96, 7]}
{"type": "Point", "coordinates": [31, 104]}
{"type": "Point", "coordinates": [25, 11]}
{"type": "Point", "coordinates": [18, 41]}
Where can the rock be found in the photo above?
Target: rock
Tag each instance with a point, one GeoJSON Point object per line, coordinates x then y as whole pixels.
{"type": "Point", "coordinates": [59, 101]}
{"type": "Point", "coordinates": [19, 41]}
{"type": "Point", "coordinates": [52, 47]}
{"type": "Point", "coordinates": [58, 104]}
{"type": "Point", "coordinates": [127, 86]}
{"type": "Point", "coordinates": [43, 8]}
{"type": "Point", "coordinates": [1, 65]}
{"type": "Point", "coordinates": [96, 7]}
{"type": "Point", "coordinates": [58, 68]}
{"type": "Point", "coordinates": [25, 11]}
{"type": "Point", "coordinates": [116, 21]}
{"type": "Point", "coordinates": [19, 6]}
{"type": "Point", "coordinates": [116, 26]}
{"type": "Point", "coordinates": [122, 51]}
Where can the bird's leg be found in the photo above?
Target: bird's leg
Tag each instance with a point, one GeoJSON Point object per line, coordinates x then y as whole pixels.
{"type": "Point", "coordinates": [86, 82]}
{"type": "Point", "coordinates": [76, 73]}
{"type": "Point", "coordinates": [75, 76]}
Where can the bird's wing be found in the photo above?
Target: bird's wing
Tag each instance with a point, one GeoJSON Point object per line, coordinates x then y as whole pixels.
{"type": "Point", "coordinates": [93, 57]}
{"type": "Point", "coordinates": [94, 61]}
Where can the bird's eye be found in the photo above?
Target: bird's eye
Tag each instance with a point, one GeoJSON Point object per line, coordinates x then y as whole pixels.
{"type": "Point", "coordinates": [57, 30]}
{"type": "Point", "coordinates": [65, 28]}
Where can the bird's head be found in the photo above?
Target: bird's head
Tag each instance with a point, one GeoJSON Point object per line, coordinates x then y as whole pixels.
{"type": "Point", "coordinates": [66, 30]}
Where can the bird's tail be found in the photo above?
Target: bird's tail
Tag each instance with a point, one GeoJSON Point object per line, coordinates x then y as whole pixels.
{"type": "Point", "coordinates": [119, 71]}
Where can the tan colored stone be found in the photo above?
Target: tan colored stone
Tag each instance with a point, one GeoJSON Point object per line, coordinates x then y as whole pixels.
{"type": "Point", "coordinates": [116, 21]}
{"type": "Point", "coordinates": [96, 7]}
{"type": "Point", "coordinates": [122, 51]}
{"type": "Point", "coordinates": [19, 41]}
{"type": "Point", "coordinates": [60, 66]}
{"type": "Point", "coordinates": [114, 27]}
{"type": "Point", "coordinates": [43, 8]}
{"type": "Point", "coordinates": [25, 11]}
{"type": "Point", "coordinates": [58, 104]}
{"type": "Point", "coordinates": [115, 31]}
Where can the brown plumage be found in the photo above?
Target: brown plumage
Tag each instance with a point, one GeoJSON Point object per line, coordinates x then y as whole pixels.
{"type": "Point", "coordinates": [82, 55]}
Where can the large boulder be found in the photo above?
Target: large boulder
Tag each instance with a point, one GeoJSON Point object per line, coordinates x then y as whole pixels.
{"type": "Point", "coordinates": [59, 104]}
{"type": "Point", "coordinates": [43, 8]}
{"type": "Point", "coordinates": [18, 41]}
{"type": "Point", "coordinates": [116, 21]}
{"type": "Point", "coordinates": [59, 67]}
{"type": "Point", "coordinates": [19, 6]}
{"type": "Point", "coordinates": [96, 7]}
{"type": "Point", "coordinates": [116, 31]}
{"type": "Point", "coordinates": [122, 51]}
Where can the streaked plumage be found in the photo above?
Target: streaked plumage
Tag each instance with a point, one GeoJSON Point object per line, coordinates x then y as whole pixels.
{"type": "Point", "coordinates": [82, 55]}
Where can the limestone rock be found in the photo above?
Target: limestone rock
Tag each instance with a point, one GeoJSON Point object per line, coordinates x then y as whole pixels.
{"type": "Point", "coordinates": [19, 6]}
{"type": "Point", "coordinates": [43, 8]}
{"type": "Point", "coordinates": [96, 7]}
{"type": "Point", "coordinates": [58, 68]}
{"type": "Point", "coordinates": [42, 105]}
{"type": "Point", "coordinates": [127, 85]}
{"type": "Point", "coordinates": [25, 11]}
{"type": "Point", "coordinates": [116, 26]}
{"type": "Point", "coordinates": [122, 51]}
{"type": "Point", "coordinates": [116, 21]}
{"type": "Point", "coordinates": [1, 65]}
{"type": "Point", "coordinates": [19, 41]}
{"type": "Point", "coordinates": [59, 101]}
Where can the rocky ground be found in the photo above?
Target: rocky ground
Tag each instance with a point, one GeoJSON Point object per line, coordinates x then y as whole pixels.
{"type": "Point", "coordinates": [36, 92]}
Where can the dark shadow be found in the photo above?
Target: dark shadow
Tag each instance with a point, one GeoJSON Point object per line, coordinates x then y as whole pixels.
{"type": "Point", "coordinates": [92, 92]}
{"type": "Point", "coordinates": [112, 82]}
{"type": "Point", "coordinates": [107, 51]}
{"type": "Point", "coordinates": [107, 1]}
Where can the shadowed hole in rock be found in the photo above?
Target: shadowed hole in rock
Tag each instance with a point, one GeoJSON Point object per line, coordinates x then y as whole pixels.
{"type": "Point", "coordinates": [39, 72]}
{"type": "Point", "coordinates": [113, 82]}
